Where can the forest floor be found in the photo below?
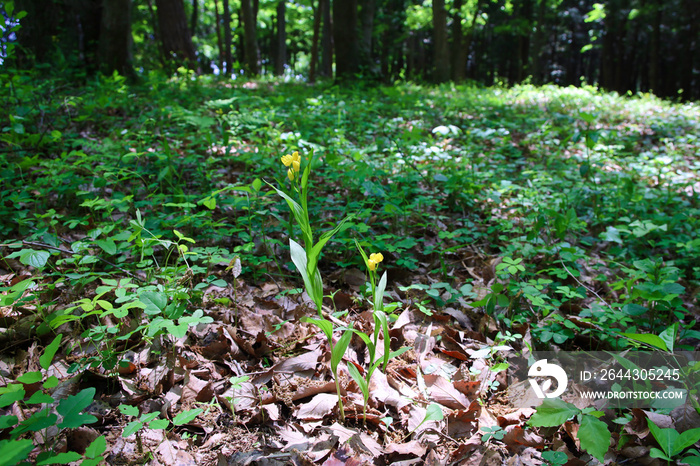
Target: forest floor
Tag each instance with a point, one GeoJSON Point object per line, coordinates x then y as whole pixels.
{"type": "Point", "coordinates": [151, 311]}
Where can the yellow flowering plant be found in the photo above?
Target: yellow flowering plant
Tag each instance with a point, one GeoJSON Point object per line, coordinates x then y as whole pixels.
{"type": "Point", "coordinates": [306, 260]}
{"type": "Point", "coordinates": [381, 326]}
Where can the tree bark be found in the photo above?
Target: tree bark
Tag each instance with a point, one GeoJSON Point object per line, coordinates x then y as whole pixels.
{"type": "Point", "coordinates": [219, 42]}
{"type": "Point", "coordinates": [459, 51]}
{"type": "Point", "coordinates": [228, 56]}
{"type": "Point", "coordinates": [367, 12]}
{"type": "Point", "coordinates": [252, 54]}
{"type": "Point", "coordinates": [326, 39]}
{"type": "Point", "coordinates": [177, 41]}
{"type": "Point", "coordinates": [281, 48]}
{"type": "Point", "coordinates": [345, 39]}
{"type": "Point", "coordinates": [441, 48]}
{"type": "Point", "coordinates": [116, 42]}
{"type": "Point", "coordinates": [314, 42]}
{"type": "Point", "coordinates": [194, 17]}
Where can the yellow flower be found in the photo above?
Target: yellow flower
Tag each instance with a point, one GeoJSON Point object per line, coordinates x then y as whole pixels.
{"type": "Point", "coordinates": [376, 257]}
{"type": "Point", "coordinates": [292, 161]}
{"type": "Point", "coordinates": [374, 260]}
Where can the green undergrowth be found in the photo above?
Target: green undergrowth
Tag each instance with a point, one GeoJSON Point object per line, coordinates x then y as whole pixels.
{"type": "Point", "coordinates": [531, 203]}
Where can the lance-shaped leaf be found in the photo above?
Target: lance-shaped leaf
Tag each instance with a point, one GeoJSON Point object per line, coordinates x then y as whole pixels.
{"type": "Point", "coordinates": [339, 350]}
{"type": "Point", "coordinates": [299, 216]}
{"type": "Point", "coordinates": [379, 294]}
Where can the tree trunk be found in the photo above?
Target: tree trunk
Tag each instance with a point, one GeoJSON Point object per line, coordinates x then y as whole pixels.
{"type": "Point", "coordinates": [228, 56]}
{"type": "Point", "coordinates": [194, 17]}
{"type": "Point", "coordinates": [177, 41]}
{"type": "Point", "coordinates": [252, 55]}
{"type": "Point", "coordinates": [345, 39]}
{"type": "Point", "coordinates": [441, 48]}
{"type": "Point", "coordinates": [459, 51]}
{"type": "Point", "coordinates": [367, 11]}
{"type": "Point", "coordinates": [281, 48]}
{"type": "Point", "coordinates": [691, 90]}
{"type": "Point", "coordinates": [326, 39]}
{"type": "Point", "coordinates": [538, 60]}
{"type": "Point", "coordinates": [219, 42]}
{"type": "Point", "coordinates": [314, 42]}
{"type": "Point", "coordinates": [116, 42]}
{"type": "Point", "coordinates": [38, 27]}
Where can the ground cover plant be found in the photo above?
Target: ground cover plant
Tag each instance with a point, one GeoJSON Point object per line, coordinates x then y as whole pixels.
{"type": "Point", "coordinates": [194, 271]}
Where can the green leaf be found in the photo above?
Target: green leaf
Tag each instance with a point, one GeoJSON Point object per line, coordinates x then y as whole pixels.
{"type": "Point", "coordinates": [51, 382]}
{"type": "Point", "coordinates": [666, 438]}
{"type": "Point", "coordinates": [40, 397]}
{"type": "Point", "coordinates": [323, 324]}
{"type": "Point", "coordinates": [39, 420]}
{"type": "Point", "coordinates": [187, 416]}
{"type": "Point", "coordinates": [61, 458]}
{"type": "Point", "coordinates": [107, 245]}
{"type": "Point", "coordinates": [36, 259]}
{"type": "Point", "coordinates": [684, 440]}
{"type": "Point", "coordinates": [7, 421]}
{"type": "Point", "coordinates": [339, 350]}
{"type": "Point", "coordinates": [97, 447]}
{"type": "Point", "coordinates": [71, 407]}
{"type": "Point", "coordinates": [433, 413]}
{"type": "Point", "coordinates": [128, 410]}
{"type": "Point", "coordinates": [146, 418]}
{"type": "Point", "coordinates": [594, 436]}
{"type": "Point", "coordinates": [155, 302]}
{"type": "Point", "coordinates": [651, 340]}
{"type": "Point", "coordinates": [656, 453]}
{"type": "Point", "coordinates": [131, 428]}
{"type": "Point", "coordinates": [299, 258]}
{"type": "Point", "coordinates": [8, 398]}
{"type": "Point", "coordinates": [30, 377]}
{"type": "Point", "coordinates": [159, 424]}
{"type": "Point", "coordinates": [299, 216]}
{"type": "Point", "coordinates": [669, 336]}
{"type": "Point", "coordinates": [50, 352]}
{"type": "Point", "coordinates": [357, 377]}
{"type": "Point", "coordinates": [379, 293]}
{"type": "Point", "coordinates": [316, 249]}
{"type": "Point", "coordinates": [14, 451]}
{"type": "Point", "coordinates": [553, 412]}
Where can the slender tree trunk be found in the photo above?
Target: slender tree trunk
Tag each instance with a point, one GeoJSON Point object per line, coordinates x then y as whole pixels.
{"type": "Point", "coordinates": [219, 42]}
{"type": "Point", "coordinates": [441, 47]}
{"type": "Point", "coordinates": [156, 32]}
{"type": "Point", "coordinates": [194, 17]}
{"type": "Point", "coordinates": [174, 33]}
{"type": "Point", "coordinates": [252, 53]}
{"type": "Point", "coordinates": [367, 12]}
{"type": "Point", "coordinates": [691, 90]}
{"type": "Point", "coordinates": [538, 43]}
{"type": "Point", "coordinates": [228, 55]}
{"type": "Point", "coordinates": [38, 27]}
{"type": "Point", "coordinates": [345, 39]}
{"type": "Point", "coordinates": [326, 39]}
{"type": "Point", "coordinates": [116, 42]}
{"type": "Point", "coordinates": [459, 51]}
{"type": "Point", "coordinates": [654, 45]}
{"type": "Point", "coordinates": [281, 48]}
{"type": "Point", "coordinates": [314, 42]}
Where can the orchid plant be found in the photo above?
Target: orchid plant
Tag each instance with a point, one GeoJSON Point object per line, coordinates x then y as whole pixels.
{"type": "Point", "coordinates": [306, 257]}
